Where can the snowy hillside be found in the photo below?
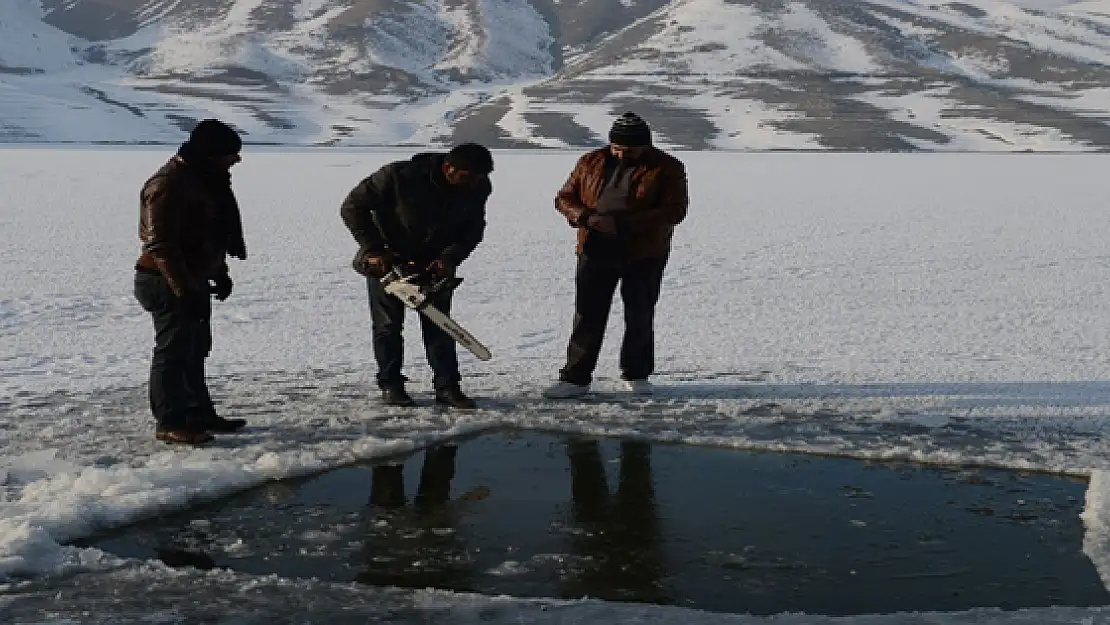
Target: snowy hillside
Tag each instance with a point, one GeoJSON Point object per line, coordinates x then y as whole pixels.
{"type": "Point", "coordinates": [725, 74]}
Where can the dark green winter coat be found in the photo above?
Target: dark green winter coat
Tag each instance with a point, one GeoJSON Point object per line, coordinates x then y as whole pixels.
{"type": "Point", "coordinates": [407, 209]}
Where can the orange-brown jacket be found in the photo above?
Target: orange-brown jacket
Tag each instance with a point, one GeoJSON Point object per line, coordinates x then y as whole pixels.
{"type": "Point", "coordinates": [658, 200]}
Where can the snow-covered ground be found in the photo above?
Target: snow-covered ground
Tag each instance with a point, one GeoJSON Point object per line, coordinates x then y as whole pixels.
{"type": "Point", "coordinates": [943, 308]}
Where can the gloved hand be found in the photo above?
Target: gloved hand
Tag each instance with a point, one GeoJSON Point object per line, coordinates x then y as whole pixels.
{"type": "Point", "coordinates": [237, 249]}
{"type": "Point", "coordinates": [441, 269]}
{"type": "Point", "coordinates": [373, 264]}
{"type": "Point", "coordinates": [196, 304]}
{"type": "Point", "coordinates": [221, 287]}
{"type": "Point", "coordinates": [602, 223]}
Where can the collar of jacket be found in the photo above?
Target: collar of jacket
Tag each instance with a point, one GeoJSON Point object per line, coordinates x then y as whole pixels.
{"type": "Point", "coordinates": [650, 156]}
{"type": "Point", "coordinates": [436, 174]}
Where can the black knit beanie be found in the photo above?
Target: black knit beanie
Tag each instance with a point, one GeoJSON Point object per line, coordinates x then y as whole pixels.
{"type": "Point", "coordinates": [471, 157]}
{"type": "Point", "coordinates": [630, 130]}
{"type": "Point", "coordinates": [212, 138]}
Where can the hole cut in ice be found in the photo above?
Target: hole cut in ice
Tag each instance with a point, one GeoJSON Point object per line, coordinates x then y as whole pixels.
{"type": "Point", "coordinates": [543, 515]}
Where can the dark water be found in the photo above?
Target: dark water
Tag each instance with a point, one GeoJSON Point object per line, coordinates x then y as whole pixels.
{"type": "Point", "coordinates": [530, 514]}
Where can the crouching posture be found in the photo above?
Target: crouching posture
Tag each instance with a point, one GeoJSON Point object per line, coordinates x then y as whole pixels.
{"type": "Point", "coordinates": [188, 223]}
{"type": "Point", "coordinates": [624, 200]}
{"type": "Point", "coordinates": [427, 214]}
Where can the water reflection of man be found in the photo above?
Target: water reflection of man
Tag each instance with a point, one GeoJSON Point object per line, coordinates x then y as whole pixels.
{"type": "Point", "coordinates": [415, 547]}
{"type": "Point", "coordinates": [620, 537]}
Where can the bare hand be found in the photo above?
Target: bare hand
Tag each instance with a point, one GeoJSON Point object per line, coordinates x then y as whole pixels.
{"type": "Point", "coordinates": [602, 223]}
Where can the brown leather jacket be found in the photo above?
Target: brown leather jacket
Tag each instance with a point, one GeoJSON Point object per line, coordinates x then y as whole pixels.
{"type": "Point", "coordinates": [657, 202]}
{"type": "Point", "coordinates": [186, 229]}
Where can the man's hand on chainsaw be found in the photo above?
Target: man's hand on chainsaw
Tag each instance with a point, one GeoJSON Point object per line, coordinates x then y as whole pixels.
{"type": "Point", "coordinates": [373, 264]}
{"type": "Point", "coordinates": [441, 269]}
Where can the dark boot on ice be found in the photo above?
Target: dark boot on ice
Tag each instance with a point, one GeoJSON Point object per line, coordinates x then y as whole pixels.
{"type": "Point", "coordinates": [220, 425]}
{"type": "Point", "coordinates": [395, 395]}
{"type": "Point", "coordinates": [454, 397]}
{"type": "Point", "coordinates": [183, 436]}
{"type": "Point", "coordinates": [209, 421]}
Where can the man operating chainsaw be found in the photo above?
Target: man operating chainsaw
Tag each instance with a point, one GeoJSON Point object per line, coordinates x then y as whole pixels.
{"type": "Point", "coordinates": [422, 216]}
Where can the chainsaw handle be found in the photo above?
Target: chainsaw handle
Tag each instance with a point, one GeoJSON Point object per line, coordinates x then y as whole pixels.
{"type": "Point", "coordinates": [445, 284]}
{"type": "Point", "coordinates": [419, 279]}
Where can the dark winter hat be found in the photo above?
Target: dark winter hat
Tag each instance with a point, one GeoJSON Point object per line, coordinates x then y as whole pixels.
{"type": "Point", "coordinates": [212, 138]}
{"type": "Point", "coordinates": [630, 130]}
{"type": "Point", "coordinates": [471, 157]}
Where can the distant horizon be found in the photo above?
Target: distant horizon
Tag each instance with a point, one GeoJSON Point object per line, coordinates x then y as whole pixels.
{"type": "Point", "coordinates": [409, 149]}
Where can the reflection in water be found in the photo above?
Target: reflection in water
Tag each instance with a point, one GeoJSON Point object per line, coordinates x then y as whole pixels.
{"type": "Point", "coordinates": [415, 547]}
{"type": "Point", "coordinates": [637, 523]}
{"type": "Point", "coordinates": [616, 546]}
{"type": "Point", "coordinates": [178, 558]}
{"type": "Point", "coordinates": [619, 538]}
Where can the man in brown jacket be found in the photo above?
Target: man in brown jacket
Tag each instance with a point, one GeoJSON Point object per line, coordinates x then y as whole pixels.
{"type": "Point", "coordinates": [625, 200]}
{"type": "Point", "coordinates": [189, 223]}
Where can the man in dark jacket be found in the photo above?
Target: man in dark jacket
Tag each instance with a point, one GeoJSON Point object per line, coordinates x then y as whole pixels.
{"type": "Point", "coordinates": [625, 200]}
{"type": "Point", "coordinates": [426, 213]}
{"type": "Point", "coordinates": [189, 223]}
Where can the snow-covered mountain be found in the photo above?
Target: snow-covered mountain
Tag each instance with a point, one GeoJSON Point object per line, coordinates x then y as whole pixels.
{"type": "Point", "coordinates": [724, 74]}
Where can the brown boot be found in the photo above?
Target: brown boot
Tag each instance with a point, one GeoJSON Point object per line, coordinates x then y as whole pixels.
{"type": "Point", "coordinates": [183, 436]}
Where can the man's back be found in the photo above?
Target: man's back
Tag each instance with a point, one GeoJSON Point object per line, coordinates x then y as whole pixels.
{"type": "Point", "coordinates": [180, 227]}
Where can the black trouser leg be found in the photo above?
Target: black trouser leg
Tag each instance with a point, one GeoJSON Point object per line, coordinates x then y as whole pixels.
{"type": "Point", "coordinates": [387, 486]}
{"type": "Point", "coordinates": [387, 319]}
{"type": "Point", "coordinates": [435, 477]}
{"type": "Point", "coordinates": [439, 346]}
{"type": "Point", "coordinates": [641, 282]}
{"type": "Point", "coordinates": [173, 398]}
{"type": "Point", "coordinates": [595, 283]}
{"type": "Point", "coordinates": [194, 374]}
{"type": "Point", "coordinates": [589, 488]}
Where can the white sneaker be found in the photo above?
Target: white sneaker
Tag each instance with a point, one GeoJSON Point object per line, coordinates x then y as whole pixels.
{"type": "Point", "coordinates": [565, 390]}
{"type": "Point", "coordinates": [638, 387]}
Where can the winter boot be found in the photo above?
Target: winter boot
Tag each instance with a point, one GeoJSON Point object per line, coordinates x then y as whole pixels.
{"type": "Point", "coordinates": [642, 388]}
{"type": "Point", "coordinates": [454, 397]}
{"type": "Point", "coordinates": [183, 436]}
{"type": "Point", "coordinates": [565, 390]}
{"type": "Point", "coordinates": [220, 425]}
{"type": "Point", "coordinates": [395, 395]}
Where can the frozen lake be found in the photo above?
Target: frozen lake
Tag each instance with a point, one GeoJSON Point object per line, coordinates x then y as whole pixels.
{"type": "Point", "coordinates": [942, 309]}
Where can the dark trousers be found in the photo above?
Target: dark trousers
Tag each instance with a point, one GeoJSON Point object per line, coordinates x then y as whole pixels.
{"type": "Point", "coordinates": [387, 317]}
{"type": "Point", "coordinates": [387, 481]}
{"type": "Point", "coordinates": [178, 392]}
{"type": "Point", "coordinates": [596, 281]}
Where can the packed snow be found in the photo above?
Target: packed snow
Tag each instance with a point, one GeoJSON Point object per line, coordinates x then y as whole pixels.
{"type": "Point", "coordinates": [938, 308]}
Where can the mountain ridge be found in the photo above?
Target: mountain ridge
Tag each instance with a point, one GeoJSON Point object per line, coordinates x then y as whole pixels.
{"type": "Point", "coordinates": [866, 75]}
